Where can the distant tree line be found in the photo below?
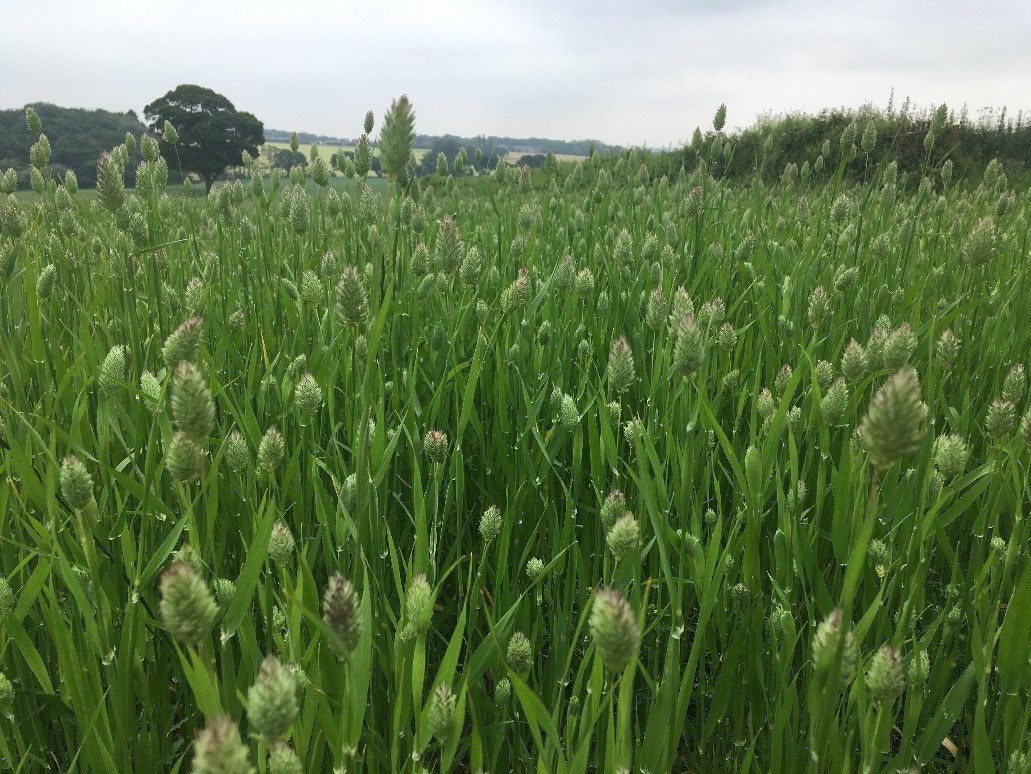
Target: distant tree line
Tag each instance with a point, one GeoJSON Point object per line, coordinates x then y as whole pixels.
{"type": "Point", "coordinates": [77, 137]}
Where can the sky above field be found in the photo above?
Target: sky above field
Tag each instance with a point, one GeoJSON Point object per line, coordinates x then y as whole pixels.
{"type": "Point", "coordinates": [629, 73]}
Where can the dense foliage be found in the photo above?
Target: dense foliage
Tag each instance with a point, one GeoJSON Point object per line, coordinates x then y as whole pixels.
{"type": "Point", "coordinates": [775, 144]}
{"type": "Point", "coordinates": [212, 134]}
{"type": "Point", "coordinates": [569, 471]}
{"type": "Point", "coordinates": [77, 136]}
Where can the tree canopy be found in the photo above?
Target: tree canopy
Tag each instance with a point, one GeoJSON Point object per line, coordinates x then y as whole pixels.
{"type": "Point", "coordinates": [213, 134]}
{"type": "Point", "coordinates": [77, 136]}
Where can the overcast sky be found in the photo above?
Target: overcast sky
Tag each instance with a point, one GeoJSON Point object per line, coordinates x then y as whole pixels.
{"type": "Point", "coordinates": [627, 73]}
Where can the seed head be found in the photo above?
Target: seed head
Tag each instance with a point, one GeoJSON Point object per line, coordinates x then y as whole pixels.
{"type": "Point", "coordinates": [192, 405]}
{"type": "Point", "coordinates": [7, 598]}
{"type": "Point", "coordinates": [568, 416]}
{"type": "Point", "coordinates": [352, 297]}
{"type": "Point", "coordinates": [308, 395]}
{"type": "Point", "coordinates": [624, 536]}
{"type": "Point", "coordinates": [892, 428]}
{"type": "Point", "coordinates": [283, 760]}
{"type": "Point", "coordinates": [182, 459]}
{"type": "Point", "coordinates": [534, 568]}
{"type": "Point", "coordinates": [853, 362]}
{"type": "Point", "coordinates": [620, 370]}
{"type": "Point", "coordinates": [726, 339]}
{"type": "Point", "coordinates": [919, 669]}
{"type": "Point", "coordinates": [520, 653]}
{"type": "Point", "coordinates": [780, 383]}
{"type": "Point", "coordinates": [271, 451]}
{"type": "Point", "coordinates": [613, 509]}
{"type": "Point", "coordinates": [76, 483]}
{"type": "Point", "coordinates": [281, 544]}
{"type": "Point", "coordinates": [1015, 384]}
{"type": "Point", "coordinates": [826, 643]}
{"type": "Point", "coordinates": [225, 590]}
{"type": "Point", "coordinates": [45, 281]}
{"type": "Point", "coordinates": [183, 344]}
{"type": "Point", "coordinates": [442, 712]}
{"type": "Point", "coordinates": [950, 455]}
{"type": "Point", "coordinates": [835, 403]}
{"type": "Point", "coordinates": [899, 347]}
{"type": "Point", "coordinates": [1001, 419]}
{"type": "Point", "coordinates": [237, 454]}
{"type": "Point", "coordinates": [886, 677]}
{"type": "Point", "coordinates": [449, 246]}
{"type": "Point", "coordinates": [490, 524]}
{"type": "Point", "coordinates": [272, 701]}
{"type": "Point", "coordinates": [340, 612]}
{"type": "Point", "coordinates": [948, 347]}
{"type": "Point", "coordinates": [689, 348]}
{"type": "Point", "coordinates": [502, 691]}
{"type": "Point", "coordinates": [218, 749]}
{"type": "Point", "coordinates": [982, 243]}
{"type": "Point", "coordinates": [435, 444]}
{"type": "Point", "coordinates": [418, 603]}
{"type": "Point", "coordinates": [614, 628]}
{"type": "Point", "coordinates": [188, 608]}
{"type": "Point", "coordinates": [112, 371]}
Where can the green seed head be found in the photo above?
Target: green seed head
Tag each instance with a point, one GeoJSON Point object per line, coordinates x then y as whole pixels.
{"type": "Point", "coordinates": [568, 416]}
{"type": "Point", "coordinates": [1001, 419]}
{"type": "Point", "coordinates": [853, 363]}
{"type": "Point", "coordinates": [419, 603]}
{"type": "Point", "coordinates": [726, 339]}
{"type": "Point", "coordinates": [272, 701]}
{"type": "Point", "coordinates": [520, 653]}
{"type": "Point", "coordinates": [340, 612]}
{"type": "Point", "coordinates": [1015, 384]}
{"type": "Point", "coordinates": [490, 524]}
{"type": "Point", "coordinates": [183, 458]}
{"type": "Point", "coordinates": [219, 749]}
{"type": "Point", "coordinates": [442, 712]}
{"type": "Point", "coordinates": [283, 760]}
{"type": "Point", "coordinates": [7, 598]}
{"type": "Point", "coordinates": [765, 404]}
{"type": "Point", "coordinates": [184, 343]}
{"type": "Point", "coordinates": [613, 509]}
{"type": "Point", "coordinates": [188, 608]}
{"type": "Point", "coordinates": [892, 428]}
{"type": "Point", "coordinates": [919, 669]}
{"type": "Point", "coordinates": [886, 677]}
{"type": "Point", "coordinates": [780, 383]}
{"type": "Point", "coordinates": [271, 451]}
{"type": "Point", "coordinates": [192, 405]}
{"type": "Point", "coordinates": [1025, 427]}
{"type": "Point", "coordinates": [835, 403]}
{"type": "Point", "coordinates": [826, 644]}
{"type": "Point", "coordinates": [899, 347]}
{"type": "Point", "coordinates": [449, 246]}
{"type": "Point", "coordinates": [352, 304]}
{"type": "Point", "coordinates": [225, 590]}
{"type": "Point", "coordinates": [76, 483]}
{"type": "Point", "coordinates": [982, 243]}
{"type": "Point", "coordinates": [281, 544]}
{"type": "Point", "coordinates": [45, 281]}
{"type": "Point", "coordinates": [689, 348]}
{"type": "Point", "coordinates": [502, 692]}
{"type": "Point", "coordinates": [948, 347]}
{"type": "Point", "coordinates": [950, 455]}
{"type": "Point", "coordinates": [308, 395]}
{"type": "Point", "coordinates": [435, 444]}
{"type": "Point", "coordinates": [620, 369]}
{"type": "Point", "coordinates": [237, 453]}
{"type": "Point", "coordinates": [534, 568]}
{"type": "Point", "coordinates": [32, 122]}
{"type": "Point", "coordinates": [614, 628]}
{"type": "Point", "coordinates": [624, 536]}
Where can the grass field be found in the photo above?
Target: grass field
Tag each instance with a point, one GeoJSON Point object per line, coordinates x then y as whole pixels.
{"type": "Point", "coordinates": [573, 472]}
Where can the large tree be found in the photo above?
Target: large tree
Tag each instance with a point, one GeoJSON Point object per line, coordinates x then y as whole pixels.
{"type": "Point", "coordinates": [212, 133]}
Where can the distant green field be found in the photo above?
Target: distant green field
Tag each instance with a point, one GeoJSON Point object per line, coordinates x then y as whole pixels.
{"type": "Point", "coordinates": [327, 151]}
